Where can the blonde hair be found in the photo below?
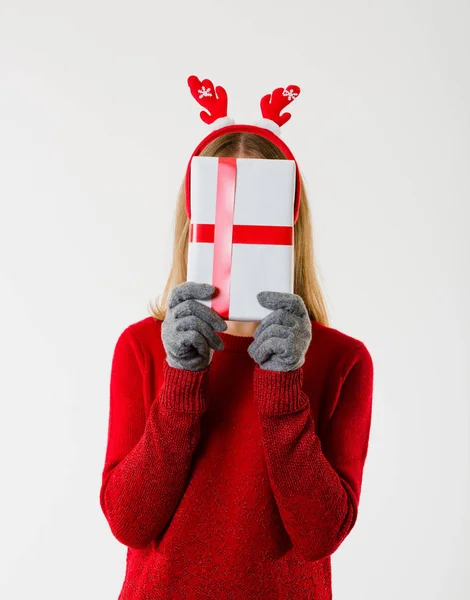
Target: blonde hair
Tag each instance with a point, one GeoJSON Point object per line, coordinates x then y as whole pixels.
{"type": "Point", "coordinates": [306, 282]}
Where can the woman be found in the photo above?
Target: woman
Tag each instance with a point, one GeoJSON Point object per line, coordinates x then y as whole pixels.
{"type": "Point", "coordinates": [235, 450]}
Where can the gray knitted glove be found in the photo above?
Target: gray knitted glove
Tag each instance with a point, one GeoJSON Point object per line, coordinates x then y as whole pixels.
{"type": "Point", "coordinates": [188, 330]}
{"type": "Point", "coordinates": [282, 337]}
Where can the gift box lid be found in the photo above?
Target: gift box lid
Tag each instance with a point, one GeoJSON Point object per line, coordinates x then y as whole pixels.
{"type": "Point", "coordinates": [264, 191]}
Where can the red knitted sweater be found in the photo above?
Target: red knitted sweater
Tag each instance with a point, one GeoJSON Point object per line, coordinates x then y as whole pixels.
{"type": "Point", "coordinates": [234, 482]}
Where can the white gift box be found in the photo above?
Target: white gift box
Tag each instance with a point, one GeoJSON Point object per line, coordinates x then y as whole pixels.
{"type": "Point", "coordinates": [242, 231]}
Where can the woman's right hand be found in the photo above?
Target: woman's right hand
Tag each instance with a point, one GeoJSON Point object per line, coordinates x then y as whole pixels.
{"type": "Point", "coordinates": [188, 330]}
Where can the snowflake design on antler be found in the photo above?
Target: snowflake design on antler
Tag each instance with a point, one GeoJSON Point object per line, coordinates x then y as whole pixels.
{"type": "Point", "coordinates": [272, 104]}
{"type": "Point", "coordinates": [291, 95]}
{"type": "Point", "coordinates": [203, 92]}
{"type": "Point", "coordinates": [213, 98]}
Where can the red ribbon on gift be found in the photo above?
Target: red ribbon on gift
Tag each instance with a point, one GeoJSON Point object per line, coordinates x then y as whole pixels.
{"type": "Point", "coordinates": [223, 233]}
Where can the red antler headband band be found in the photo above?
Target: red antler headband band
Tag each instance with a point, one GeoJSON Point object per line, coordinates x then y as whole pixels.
{"type": "Point", "coordinates": [215, 102]}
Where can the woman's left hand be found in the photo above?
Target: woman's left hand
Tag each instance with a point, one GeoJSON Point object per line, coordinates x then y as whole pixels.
{"type": "Point", "coordinates": [283, 336]}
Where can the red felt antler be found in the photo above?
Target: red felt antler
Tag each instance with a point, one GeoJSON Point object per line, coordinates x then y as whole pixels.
{"type": "Point", "coordinates": [272, 104]}
{"type": "Point", "coordinates": [213, 100]}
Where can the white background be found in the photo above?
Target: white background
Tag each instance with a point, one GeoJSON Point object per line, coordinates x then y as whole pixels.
{"type": "Point", "coordinates": [96, 126]}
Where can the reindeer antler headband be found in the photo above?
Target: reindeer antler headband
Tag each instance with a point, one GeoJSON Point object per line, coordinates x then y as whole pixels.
{"type": "Point", "coordinates": [215, 102]}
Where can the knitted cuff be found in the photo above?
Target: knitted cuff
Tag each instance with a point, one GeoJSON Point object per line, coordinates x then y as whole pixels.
{"type": "Point", "coordinates": [278, 392]}
{"type": "Point", "coordinates": [182, 389]}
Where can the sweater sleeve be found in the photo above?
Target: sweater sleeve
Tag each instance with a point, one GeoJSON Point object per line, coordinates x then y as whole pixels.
{"type": "Point", "coordinates": [316, 483]}
{"type": "Point", "coordinates": [148, 457]}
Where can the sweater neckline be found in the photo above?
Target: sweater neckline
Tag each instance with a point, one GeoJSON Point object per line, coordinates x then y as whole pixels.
{"type": "Point", "coordinates": [235, 343]}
